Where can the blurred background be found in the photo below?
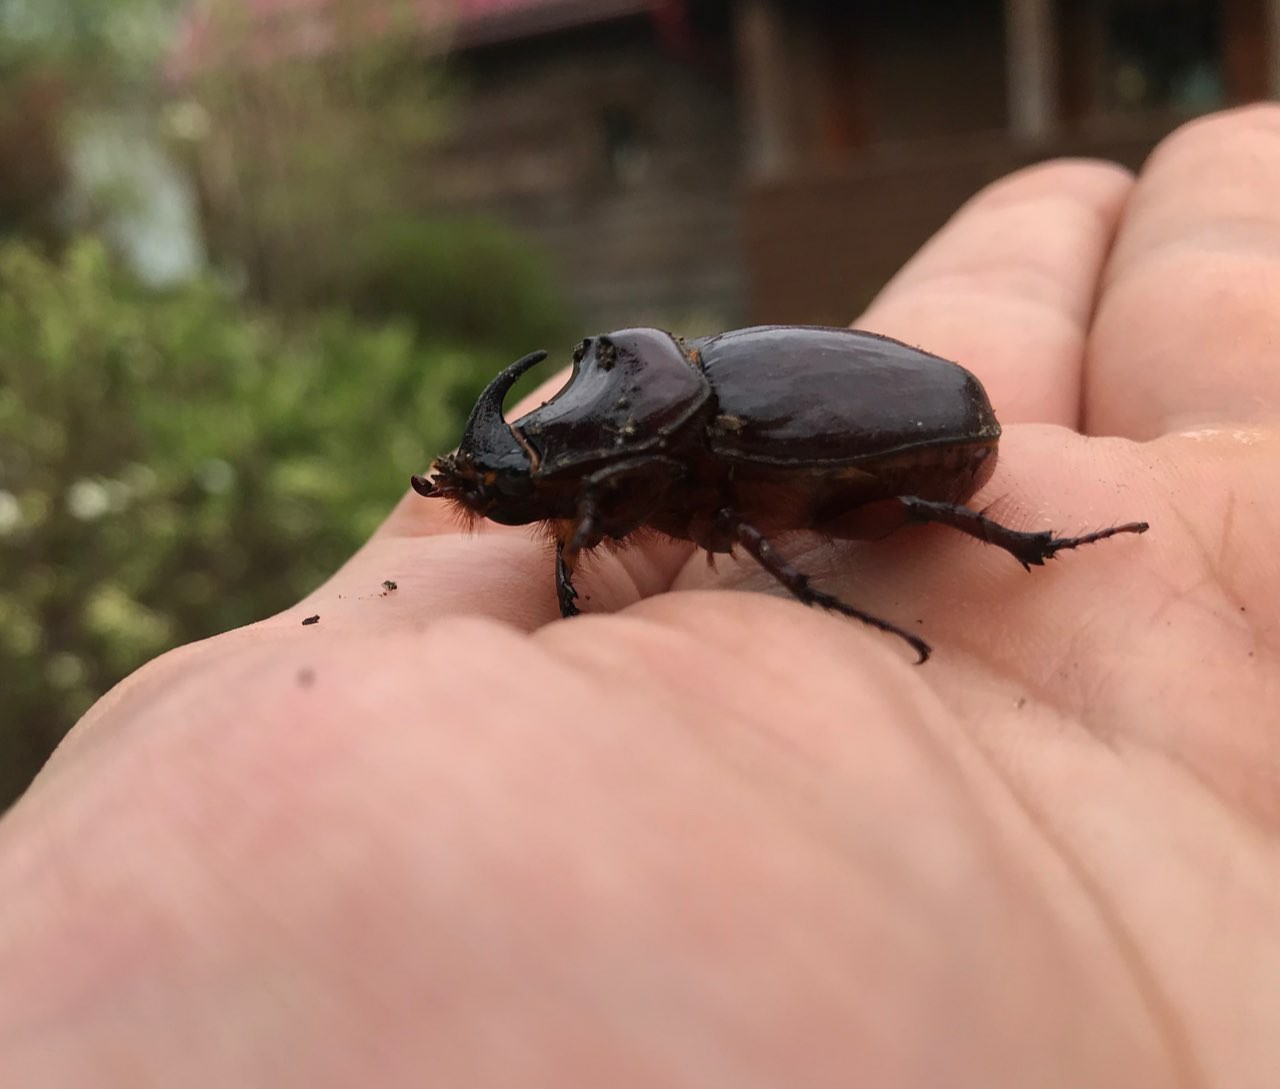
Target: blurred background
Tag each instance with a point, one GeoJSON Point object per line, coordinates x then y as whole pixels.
{"type": "Point", "coordinates": [257, 257]}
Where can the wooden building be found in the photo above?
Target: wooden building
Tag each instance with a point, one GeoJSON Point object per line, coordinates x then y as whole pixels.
{"type": "Point", "coordinates": [705, 162]}
{"type": "Point", "coordinates": [852, 172]}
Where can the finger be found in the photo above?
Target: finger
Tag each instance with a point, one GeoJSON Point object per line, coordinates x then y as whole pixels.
{"type": "Point", "coordinates": [1007, 288]}
{"type": "Point", "coordinates": [1188, 328]}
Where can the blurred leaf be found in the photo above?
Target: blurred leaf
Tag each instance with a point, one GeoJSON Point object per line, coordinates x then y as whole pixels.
{"type": "Point", "coordinates": [171, 468]}
{"type": "Point", "coordinates": [85, 34]}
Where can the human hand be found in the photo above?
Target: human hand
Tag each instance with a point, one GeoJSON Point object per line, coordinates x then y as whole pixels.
{"type": "Point", "coordinates": [716, 838]}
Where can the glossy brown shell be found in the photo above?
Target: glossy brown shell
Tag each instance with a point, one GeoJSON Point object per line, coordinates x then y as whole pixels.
{"type": "Point", "coordinates": [793, 397]}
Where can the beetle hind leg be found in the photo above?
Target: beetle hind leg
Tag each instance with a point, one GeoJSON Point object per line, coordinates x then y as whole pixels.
{"type": "Point", "coordinates": [798, 583]}
{"type": "Point", "coordinates": [1029, 549]}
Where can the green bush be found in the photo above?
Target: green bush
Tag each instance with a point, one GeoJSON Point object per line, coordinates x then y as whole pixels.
{"type": "Point", "coordinates": [170, 468]}
{"type": "Point", "coordinates": [468, 277]}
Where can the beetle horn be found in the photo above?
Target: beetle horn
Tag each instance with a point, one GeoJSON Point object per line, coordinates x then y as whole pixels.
{"type": "Point", "coordinates": [487, 432]}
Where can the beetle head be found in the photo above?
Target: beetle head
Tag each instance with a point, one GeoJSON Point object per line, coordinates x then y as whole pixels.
{"type": "Point", "coordinates": [489, 475]}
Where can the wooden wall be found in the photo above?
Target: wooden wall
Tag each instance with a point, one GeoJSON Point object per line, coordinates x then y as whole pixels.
{"type": "Point", "coordinates": [676, 232]}
{"type": "Point", "coordinates": [821, 244]}
{"type": "Point", "coordinates": [620, 159]}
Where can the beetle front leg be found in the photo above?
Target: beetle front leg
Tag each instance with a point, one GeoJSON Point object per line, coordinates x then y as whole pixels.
{"type": "Point", "coordinates": [615, 501]}
{"type": "Point", "coordinates": [585, 535]}
{"type": "Point", "coordinates": [1029, 549]}
{"type": "Point", "coordinates": [798, 583]}
{"type": "Point", "coordinates": [565, 592]}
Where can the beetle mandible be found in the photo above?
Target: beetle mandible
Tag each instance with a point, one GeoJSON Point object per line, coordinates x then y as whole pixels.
{"type": "Point", "coordinates": [730, 439]}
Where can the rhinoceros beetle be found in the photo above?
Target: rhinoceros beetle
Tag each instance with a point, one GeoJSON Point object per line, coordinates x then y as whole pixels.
{"type": "Point", "coordinates": [730, 439]}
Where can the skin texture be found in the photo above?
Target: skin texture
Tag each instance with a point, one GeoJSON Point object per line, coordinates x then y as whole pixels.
{"type": "Point", "coordinates": [714, 838]}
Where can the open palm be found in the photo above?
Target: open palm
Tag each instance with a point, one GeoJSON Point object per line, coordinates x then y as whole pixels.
{"type": "Point", "coordinates": [716, 838]}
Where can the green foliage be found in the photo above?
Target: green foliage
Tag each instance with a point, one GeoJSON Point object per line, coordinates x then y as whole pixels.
{"type": "Point", "coordinates": [299, 159]}
{"type": "Point", "coordinates": [170, 468]}
{"type": "Point", "coordinates": [85, 35]}
{"type": "Point", "coordinates": [63, 61]}
{"type": "Point", "coordinates": [469, 278]}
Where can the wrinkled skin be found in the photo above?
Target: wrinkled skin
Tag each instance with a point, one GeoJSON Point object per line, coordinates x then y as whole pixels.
{"type": "Point", "coordinates": [712, 837]}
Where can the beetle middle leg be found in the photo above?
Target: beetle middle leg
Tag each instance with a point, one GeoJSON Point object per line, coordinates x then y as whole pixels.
{"type": "Point", "coordinates": [1029, 549]}
{"type": "Point", "coordinates": [797, 582]}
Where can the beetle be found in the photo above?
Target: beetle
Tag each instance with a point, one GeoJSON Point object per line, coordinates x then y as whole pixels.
{"type": "Point", "coordinates": [728, 440]}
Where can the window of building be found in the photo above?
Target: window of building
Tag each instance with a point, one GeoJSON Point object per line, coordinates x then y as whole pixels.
{"type": "Point", "coordinates": [1136, 56]}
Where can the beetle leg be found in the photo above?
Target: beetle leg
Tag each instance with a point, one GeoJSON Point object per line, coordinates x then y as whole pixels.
{"type": "Point", "coordinates": [564, 581]}
{"type": "Point", "coordinates": [618, 500]}
{"type": "Point", "coordinates": [585, 533]}
{"type": "Point", "coordinates": [798, 583]}
{"type": "Point", "coordinates": [615, 501]}
{"type": "Point", "coordinates": [1027, 548]}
